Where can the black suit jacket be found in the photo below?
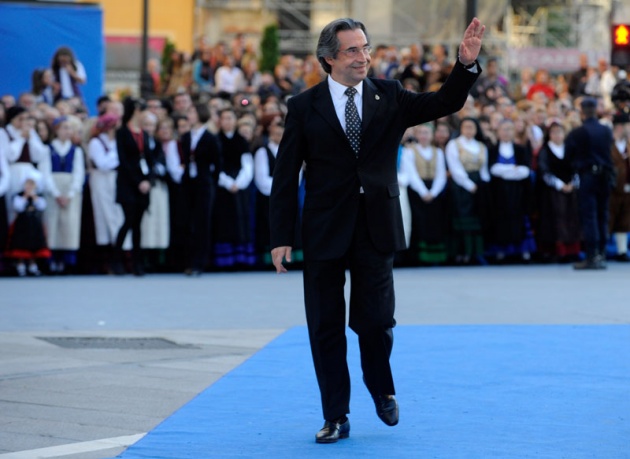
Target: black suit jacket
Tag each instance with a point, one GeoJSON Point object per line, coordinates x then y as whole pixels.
{"type": "Point", "coordinates": [129, 171]}
{"type": "Point", "coordinates": [334, 176]}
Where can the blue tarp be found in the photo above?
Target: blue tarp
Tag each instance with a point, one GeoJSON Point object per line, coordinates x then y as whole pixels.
{"type": "Point", "coordinates": [31, 33]}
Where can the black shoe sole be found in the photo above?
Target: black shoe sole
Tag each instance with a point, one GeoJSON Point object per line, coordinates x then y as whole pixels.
{"type": "Point", "coordinates": [328, 441]}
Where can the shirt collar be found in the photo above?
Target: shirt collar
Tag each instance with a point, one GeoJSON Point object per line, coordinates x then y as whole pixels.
{"type": "Point", "coordinates": [337, 90]}
{"type": "Point", "coordinates": [198, 131]}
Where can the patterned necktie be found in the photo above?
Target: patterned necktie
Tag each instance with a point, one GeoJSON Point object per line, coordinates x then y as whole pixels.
{"type": "Point", "coordinates": [353, 122]}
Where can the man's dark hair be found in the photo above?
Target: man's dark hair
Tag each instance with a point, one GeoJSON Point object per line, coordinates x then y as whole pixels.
{"type": "Point", "coordinates": [227, 110]}
{"type": "Point", "coordinates": [328, 43]}
{"type": "Point", "coordinates": [203, 112]}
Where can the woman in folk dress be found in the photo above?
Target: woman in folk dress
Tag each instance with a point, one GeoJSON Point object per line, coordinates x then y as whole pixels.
{"type": "Point", "coordinates": [156, 220]}
{"type": "Point", "coordinates": [108, 215]}
{"type": "Point", "coordinates": [64, 173]}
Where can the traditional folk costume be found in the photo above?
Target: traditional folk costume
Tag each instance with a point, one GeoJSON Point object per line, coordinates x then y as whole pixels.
{"type": "Point", "coordinates": [64, 175]}
{"type": "Point", "coordinates": [155, 226]}
{"type": "Point", "coordinates": [136, 166]}
{"type": "Point", "coordinates": [425, 168]}
{"type": "Point", "coordinates": [23, 155]}
{"type": "Point", "coordinates": [467, 160]}
{"type": "Point", "coordinates": [264, 162]}
{"type": "Point", "coordinates": [234, 244]}
{"type": "Point", "coordinates": [108, 215]}
{"type": "Point", "coordinates": [510, 197]}
{"type": "Point", "coordinates": [619, 205]}
{"type": "Point", "coordinates": [5, 182]}
{"type": "Point", "coordinates": [405, 208]}
{"type": "Point", "coordinates": [202, 162]}
{"type": "Point", "coordinates": [559, 225]}
{"type": "Point", "coordinates": [27, 238]}
{"type": "Point", "coordinates": [175, 167]}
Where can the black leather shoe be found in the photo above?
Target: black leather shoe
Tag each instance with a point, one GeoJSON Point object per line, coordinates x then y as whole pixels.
{"type": "Point", "coordinates": [387, 409]}
{"type": "Point", "coordinates": [333, 431]}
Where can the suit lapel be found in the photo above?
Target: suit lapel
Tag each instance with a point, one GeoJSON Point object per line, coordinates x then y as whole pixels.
{"type": "Point", "coordinates": [372, 103]}
{"type": "Point", "coordinates": [323, 104]}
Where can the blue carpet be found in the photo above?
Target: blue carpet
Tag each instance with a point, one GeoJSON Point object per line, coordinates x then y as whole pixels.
{"type": "Point", "coordinates": [464, 392]}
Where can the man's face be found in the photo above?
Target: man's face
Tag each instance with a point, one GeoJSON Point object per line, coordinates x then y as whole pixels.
{"type": "Point", "coordinates": [227, 121]}
{"type": "Point", "coordinates": [193, 117]}
{"type": "Point", "coordinates": [351, 64]}
{"type": "Point", "coordinates": [182, 103]}
{"type": "Point", "coordinates": [154, 106]}
{"type": "Point", "coordinates": [183, 126]}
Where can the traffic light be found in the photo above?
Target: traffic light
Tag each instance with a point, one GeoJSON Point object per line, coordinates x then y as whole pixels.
{"type": "Point", "coordinates": [620, 51]}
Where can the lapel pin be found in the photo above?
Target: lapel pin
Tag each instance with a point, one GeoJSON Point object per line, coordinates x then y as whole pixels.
{"type": "Point", "coordinates": [377, 97]}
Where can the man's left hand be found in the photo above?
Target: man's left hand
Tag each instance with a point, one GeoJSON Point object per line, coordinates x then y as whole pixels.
{"type": "Point", "coordinates": [471, 44]}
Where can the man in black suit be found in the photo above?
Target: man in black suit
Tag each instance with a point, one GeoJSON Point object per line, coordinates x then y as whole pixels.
{"type": "Point", "coordinates": [347, 131]}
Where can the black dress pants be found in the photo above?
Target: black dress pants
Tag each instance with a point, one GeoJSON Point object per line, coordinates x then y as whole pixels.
{"type": "Point", "coordinates": [593, 196]}
{"type": "Point", "coordinates": [371, 318]}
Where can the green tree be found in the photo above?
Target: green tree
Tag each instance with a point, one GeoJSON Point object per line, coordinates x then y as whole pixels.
{"type": "Point", "coordinates": [269, 48]}
{"type": "Point", "coordinates": [167, 52]}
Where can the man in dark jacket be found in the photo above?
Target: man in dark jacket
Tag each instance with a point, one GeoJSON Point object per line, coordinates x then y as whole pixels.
{"type": "Point", "coordinates": [588, 148]}
{"type": "Point", "coordinates": [347, 131]}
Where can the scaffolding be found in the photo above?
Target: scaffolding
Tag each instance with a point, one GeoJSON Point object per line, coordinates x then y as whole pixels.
{"type": "Point", "coordinates": [512, 24]}
{"type": "Point", "coordinates": [298, 21]}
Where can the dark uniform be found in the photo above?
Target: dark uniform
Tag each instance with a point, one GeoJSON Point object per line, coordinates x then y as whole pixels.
{"type": "Point", "coordinates": [588, 148]}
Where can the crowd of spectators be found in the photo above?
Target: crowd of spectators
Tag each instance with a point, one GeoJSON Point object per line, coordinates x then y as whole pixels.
{"type": "Point", "coordinates": [179, 180]}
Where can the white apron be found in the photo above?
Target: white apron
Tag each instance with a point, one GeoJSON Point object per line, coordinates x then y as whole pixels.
{"type": "Point", "coordinates": [63, 225]}
{"type": "Point", "coordinates": [155, 226]}
{"type": "Point", "coordinates": [108, 215]}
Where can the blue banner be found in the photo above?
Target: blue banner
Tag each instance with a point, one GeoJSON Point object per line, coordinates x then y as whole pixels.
{"type": "Point", "coordinates": [31, 33]}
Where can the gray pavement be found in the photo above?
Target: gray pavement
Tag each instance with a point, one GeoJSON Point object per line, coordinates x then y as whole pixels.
{"type": "Point", "coordinates": [90, 403]}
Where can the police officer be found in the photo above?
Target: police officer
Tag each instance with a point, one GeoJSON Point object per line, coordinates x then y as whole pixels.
{"type": "Point", "coordinates": [588, 148]}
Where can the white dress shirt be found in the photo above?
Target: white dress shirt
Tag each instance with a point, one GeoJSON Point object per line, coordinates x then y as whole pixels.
{"type": "Point", "coordinates": [339, 98]}
{"type": "Point", "coordinates": [195, 135]}
{"type": "Point", "coordinates": [229, 79]}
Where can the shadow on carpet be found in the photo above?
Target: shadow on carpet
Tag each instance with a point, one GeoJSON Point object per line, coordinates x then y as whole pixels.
{"type": "Point", "coordinates": [464, 392]}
